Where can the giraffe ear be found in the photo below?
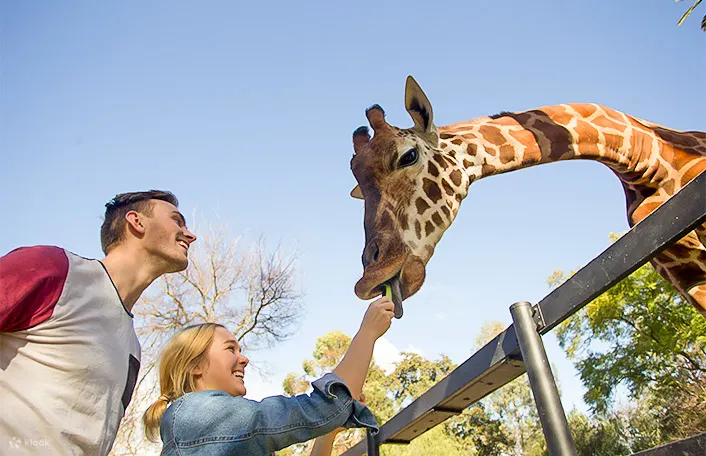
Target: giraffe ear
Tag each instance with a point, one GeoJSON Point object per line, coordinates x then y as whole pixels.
{"type": "Point", "coordinates": [418, 107]}
{"type": "Point", "coordinates": [356, 193]}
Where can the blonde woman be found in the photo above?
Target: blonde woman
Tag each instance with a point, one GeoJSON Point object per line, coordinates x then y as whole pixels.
{"type": "Point", "coordinates": [202, 411]}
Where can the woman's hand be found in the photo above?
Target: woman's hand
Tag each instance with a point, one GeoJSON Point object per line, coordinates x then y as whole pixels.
{"type": "Point", "coordinates": [378, 318]}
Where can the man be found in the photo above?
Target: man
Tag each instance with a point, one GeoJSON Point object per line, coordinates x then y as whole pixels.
{"type": "Point", "coordinates": [69, 355]}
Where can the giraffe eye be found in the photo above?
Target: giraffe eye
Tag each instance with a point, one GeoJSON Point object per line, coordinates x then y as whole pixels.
{"type": "Point", "coordinates": [409, 158]}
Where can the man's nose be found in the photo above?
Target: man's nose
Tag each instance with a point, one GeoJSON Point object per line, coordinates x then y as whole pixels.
{"type": "Point", "coordinates": [190, 237]}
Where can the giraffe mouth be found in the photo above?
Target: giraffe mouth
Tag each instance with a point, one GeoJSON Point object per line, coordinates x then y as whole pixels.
{"type": "Point", "coordinates": [405, 278]}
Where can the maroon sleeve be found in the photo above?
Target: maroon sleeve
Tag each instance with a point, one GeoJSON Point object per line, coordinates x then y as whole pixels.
{"type": "Point", "coordinates": [31, 282]}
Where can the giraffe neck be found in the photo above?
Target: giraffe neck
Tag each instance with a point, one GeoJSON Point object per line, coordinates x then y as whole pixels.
{"type": "Point", "coordinates": [512, 141]}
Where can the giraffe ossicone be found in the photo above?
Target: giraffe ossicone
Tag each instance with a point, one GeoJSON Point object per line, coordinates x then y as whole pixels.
{"type": "Point", "coordinates": [413, 180]}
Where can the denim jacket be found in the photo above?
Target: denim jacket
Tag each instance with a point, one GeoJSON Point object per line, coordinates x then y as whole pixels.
{"type": "Point", "coordinates": [210, 423]}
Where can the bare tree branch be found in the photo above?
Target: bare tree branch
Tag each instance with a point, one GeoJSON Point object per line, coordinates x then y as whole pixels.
{"type": "Point", "coordinates": [250, 291]}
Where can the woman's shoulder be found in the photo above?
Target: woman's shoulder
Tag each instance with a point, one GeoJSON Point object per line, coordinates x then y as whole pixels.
{"type": "Point", "coordinates": [201, 412]}
{"type": "Point", "coordinates": [202, 401]}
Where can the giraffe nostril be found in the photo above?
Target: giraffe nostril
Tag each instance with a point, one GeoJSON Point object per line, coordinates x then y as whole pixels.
{"type": "Point", "coordinates": [371, 254]}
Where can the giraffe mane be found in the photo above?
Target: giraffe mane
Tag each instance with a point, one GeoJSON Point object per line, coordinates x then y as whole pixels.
{"type": "Point", "coordinates": [502, 114]}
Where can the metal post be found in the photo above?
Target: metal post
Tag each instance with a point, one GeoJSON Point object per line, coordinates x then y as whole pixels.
{"type": "Point", "coordinates": [546, 396]}
{"type": "Point", "coordinates": [373, 449]}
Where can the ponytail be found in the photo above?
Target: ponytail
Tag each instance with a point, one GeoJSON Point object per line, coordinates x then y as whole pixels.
{"type": "Point", "coordinates": [153, 417]}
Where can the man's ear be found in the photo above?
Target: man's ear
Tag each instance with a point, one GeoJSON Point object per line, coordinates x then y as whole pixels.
{"type": "Point", "coordinates": [134, 220]}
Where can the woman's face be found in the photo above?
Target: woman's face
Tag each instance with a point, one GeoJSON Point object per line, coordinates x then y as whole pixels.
{"type": "Point", "coordinates": [224, 367]}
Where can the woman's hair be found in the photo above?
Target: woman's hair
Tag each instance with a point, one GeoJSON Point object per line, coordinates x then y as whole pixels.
{"type": "Point", "coordinates": [184, 352]}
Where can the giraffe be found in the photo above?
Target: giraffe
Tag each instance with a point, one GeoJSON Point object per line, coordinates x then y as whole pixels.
{"type": "Point", "coordinates": [413, 180]}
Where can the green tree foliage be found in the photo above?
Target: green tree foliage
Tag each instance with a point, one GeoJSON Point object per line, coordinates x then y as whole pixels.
{"type": "Point", "coordinates": [599, 436]}
{"type": "Point", "coordinates": [642, 335]}
{"type": "Point", "coordinates": [472, 433]}
{"type": "Point", "coordinates": [479, 433]}
{"type": "Point", "coordinates": [414, 375]}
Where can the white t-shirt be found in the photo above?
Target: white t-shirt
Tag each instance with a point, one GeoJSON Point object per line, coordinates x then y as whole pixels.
{"type": "Point", "coordinates": [69, 355]}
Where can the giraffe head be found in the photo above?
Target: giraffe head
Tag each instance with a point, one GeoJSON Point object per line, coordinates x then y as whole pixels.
{"type": "Point", "coordinates": [412, 191]}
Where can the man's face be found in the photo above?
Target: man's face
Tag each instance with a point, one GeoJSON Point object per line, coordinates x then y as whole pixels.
{"type": "Point", "coordinates": [167, 237]}
{"type": "Point", "coordinates": [224, 366]}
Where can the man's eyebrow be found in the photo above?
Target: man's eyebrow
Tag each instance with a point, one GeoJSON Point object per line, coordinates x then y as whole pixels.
{"type": "Point", "coordinates": [183, 220]}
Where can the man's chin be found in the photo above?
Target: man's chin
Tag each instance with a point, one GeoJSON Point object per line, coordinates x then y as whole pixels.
{"type": "Point", "coordinates": [178, 264]}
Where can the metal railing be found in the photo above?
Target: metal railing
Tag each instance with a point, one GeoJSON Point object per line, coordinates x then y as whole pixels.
{"type": "Point", "coordinates": [501, 360]}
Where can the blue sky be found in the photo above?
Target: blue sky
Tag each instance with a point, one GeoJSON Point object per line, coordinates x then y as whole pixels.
{"type": "Point", "coordinates": [245, 111]}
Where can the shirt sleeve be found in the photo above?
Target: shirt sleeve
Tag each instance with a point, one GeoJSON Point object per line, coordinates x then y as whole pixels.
{"type": "Point", "coordinates": [275, 422]}
{"type": "Point", "coordinates": [31, 282]}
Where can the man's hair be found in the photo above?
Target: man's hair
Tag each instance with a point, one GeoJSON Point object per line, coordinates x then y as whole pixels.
{"type": "Point", "coordinates": [114, 223]}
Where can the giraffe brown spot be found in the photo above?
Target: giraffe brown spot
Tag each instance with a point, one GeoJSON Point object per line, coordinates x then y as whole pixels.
{"type": "Point", "coordinates": [613, 115]}
{"type": "Point", "coordinates": [436, 218]}
{"type": "Point", "coordinates": [559, 138]}
{"type": "Point", "coordinates": [680, 157]}
{"type": "Point", "coordinates": [688, 273]}
{"type": "Point", "coordinates": [466, 163]}
{"type": "Point", "coordinates": [446, 211]}
{"type": "Point", "coordinates": [679, 251]}
{"type": "Point", "coordinates": [615, 142]}
{"type": "Point", "coordinates": [421, 205]}
{"type": "Point", "coordinates": [418, 229]}
{"type": "Point", "coordinates": [525, 137]}
{"type": "Point", "coordinates": [563, 117]}
{"type": "Point", "coordinates": [433, 170]}
{"type": "Point", "coordinates": [447, 188]}
{"type": "Point", "coordinates": [452, 153]}
{"type": "Point", "coordinates": [587, 139]}
{"type": "Point", "coordinates": [431, 189]}
{"type": "Point", "coordinates": [668, 186]}
{"type": "Point", "coordinates": [487, 170]}
{"type": "Point", "coordinates": [605, 122]}
{"type": "Point", "coordinates": [692, 173]}
{"type": "Point", "coordinates": [440, 160]}
{"type": "Point", "coordinates": [403, 221]}
{"type": "Point", "coordinates": [428, 228]}
{"type": "Point", "coordinates": [507, 154]}
{"type": "Point", "coordinates": [443, 145]}
{"type": "Point", "coordinates": [455, 177]}
{"type": "Point", "coordinates": [446, 135]}
{"type": "Point", "coordinates": [585, 110]}
{"type": "Point", "coordinates": [586, 132]}
{"type": "Point", "coordinates": [457, 142]}
{"type": "Point", "coordinates": [471, 149]}
{"type": "Point", "coordinates": [644, 210]}
{"type": "Point", "coordinates": [492, 134]}
{"type": "Point", "coordinates": [491, 151]}
{"type": "Point", "coordinates": [385, 220]}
